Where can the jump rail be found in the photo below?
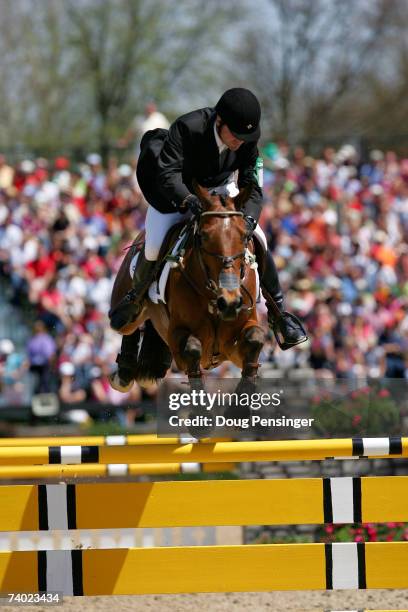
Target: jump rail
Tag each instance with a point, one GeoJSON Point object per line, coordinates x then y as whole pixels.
{"type": "Point", "coordinates": [258, 567]}
{"type": "Point", "coordinates": [113, 440]}
{"type": "Point", "coordinates": [292, 450]}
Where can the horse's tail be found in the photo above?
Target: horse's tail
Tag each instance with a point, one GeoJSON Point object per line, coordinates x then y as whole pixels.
{"type": "Point", "coordinates": [154, 357]}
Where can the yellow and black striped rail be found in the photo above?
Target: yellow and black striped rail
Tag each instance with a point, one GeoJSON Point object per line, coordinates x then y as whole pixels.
{"type": "Point", "coordinates": [262, 567]}
{"type": "Point", "coordinates": [208, 453]}
{"type": "Point", "coordinates": [203, 503]}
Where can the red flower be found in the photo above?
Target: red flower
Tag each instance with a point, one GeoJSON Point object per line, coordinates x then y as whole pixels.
{"type": "Point", "coordinates": [356, 419]}
{"type": "Point", "coordinates": [383, 393]}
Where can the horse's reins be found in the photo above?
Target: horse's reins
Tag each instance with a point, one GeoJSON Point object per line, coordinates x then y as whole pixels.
{"type": "Point", "coordinates": [227, 262]}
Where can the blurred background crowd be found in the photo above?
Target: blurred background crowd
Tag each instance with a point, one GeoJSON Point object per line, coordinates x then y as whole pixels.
{"type": "Point", "coordinates": [337, 226]}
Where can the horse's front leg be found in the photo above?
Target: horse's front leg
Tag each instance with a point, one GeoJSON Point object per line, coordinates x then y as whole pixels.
{"type": "Point", "coordinates": [188, 353]}
{"type": "Point", "coordinates": [250, 343]}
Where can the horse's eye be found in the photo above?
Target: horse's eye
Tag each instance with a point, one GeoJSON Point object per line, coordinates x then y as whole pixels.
{"type": "Point", "coordinates": [204, 235]}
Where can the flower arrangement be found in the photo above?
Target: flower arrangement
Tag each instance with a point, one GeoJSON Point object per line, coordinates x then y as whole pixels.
{"type": "Point", "coordinates": [362, 412]}
{"type": "Point", "coordinates": [366, 532]}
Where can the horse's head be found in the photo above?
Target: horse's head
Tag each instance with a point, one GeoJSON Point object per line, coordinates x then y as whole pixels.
{"type": "Point", "coordinates": [221, 243]}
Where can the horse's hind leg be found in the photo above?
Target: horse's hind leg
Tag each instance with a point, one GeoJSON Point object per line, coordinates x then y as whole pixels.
{"type": "Point", "coordinates": [154, 357]}
{"type": "Point", "coordinates": [122, 380]}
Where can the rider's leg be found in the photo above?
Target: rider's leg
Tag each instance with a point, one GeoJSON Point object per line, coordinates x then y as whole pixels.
{"type": "Point", "coordinates": [287, 328]}
{"type": "Point", "coordinates": [157, 225]}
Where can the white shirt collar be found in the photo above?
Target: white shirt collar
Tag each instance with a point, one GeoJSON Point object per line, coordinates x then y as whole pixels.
{"type": "Point", "coordinates": [221, 146]}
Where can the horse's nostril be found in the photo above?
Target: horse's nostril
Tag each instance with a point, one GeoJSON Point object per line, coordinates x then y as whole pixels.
{"type": "Point", "coordinates": [222, 303]}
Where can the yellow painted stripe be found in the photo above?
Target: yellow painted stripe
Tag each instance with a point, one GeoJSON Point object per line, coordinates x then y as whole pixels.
{"type": "Point", "coordinates": [177, 504]}
{"type": "Point", "coordinates": [86, 470]}
{"type": "Point", "coordinates": [384, 497]}
{"type": "Point", "coordinates": [204, 569]}
{"type": "Point", "coordinates": [18, 572]}
{"type": "Point", "coordinates": [19, 508]}
{"type": "Point", "coordinates": [387, 565]}
{"type": "Point", "coordinates": [97, 440]}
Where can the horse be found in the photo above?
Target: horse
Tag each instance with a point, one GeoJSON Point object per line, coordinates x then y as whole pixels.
{"type": "Point", "coordinates": [210, 311]}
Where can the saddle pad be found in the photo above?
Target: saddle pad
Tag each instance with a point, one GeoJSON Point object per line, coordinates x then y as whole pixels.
{"type": "Point", "coordinates": [157, 290]}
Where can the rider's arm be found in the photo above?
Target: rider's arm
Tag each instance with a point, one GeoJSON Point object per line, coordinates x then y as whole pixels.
{"type": "Point", "coordinates": [247, 177]}
{"type": "Point", "coordinates": [170, 164]}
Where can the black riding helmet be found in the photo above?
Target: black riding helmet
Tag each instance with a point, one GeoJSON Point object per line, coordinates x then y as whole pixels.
{"type": "Point", "coordinates": [240, 110]}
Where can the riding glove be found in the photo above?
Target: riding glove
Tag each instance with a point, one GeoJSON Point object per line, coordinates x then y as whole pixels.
{"type": "Point", "coordinates": [193, 203]}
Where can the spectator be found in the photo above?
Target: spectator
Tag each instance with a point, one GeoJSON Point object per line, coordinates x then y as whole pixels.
{"type": "Point", "coordinates": [41, 350]}
{"type": "Point", "coordinates": [151, 120]}
{"type": "Point", "coordinates": [13, 366]}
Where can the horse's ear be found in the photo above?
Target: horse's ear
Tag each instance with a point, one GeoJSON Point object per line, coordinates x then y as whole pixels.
{"type": "Point", "coordinates": [242, 197]}
{"type": "Point", "coordinates": [201, 192]}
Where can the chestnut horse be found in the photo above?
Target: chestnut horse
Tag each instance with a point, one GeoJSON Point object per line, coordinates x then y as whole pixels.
{"type": "Point", "coordinates": [210, 312]}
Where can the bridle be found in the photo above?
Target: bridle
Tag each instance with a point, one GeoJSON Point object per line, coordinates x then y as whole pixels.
{"type": "Point", "coordinates": [226, 280]}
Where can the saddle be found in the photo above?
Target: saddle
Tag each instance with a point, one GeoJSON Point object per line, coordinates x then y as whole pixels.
{"type": "Point", "coordinates": [168, 255]}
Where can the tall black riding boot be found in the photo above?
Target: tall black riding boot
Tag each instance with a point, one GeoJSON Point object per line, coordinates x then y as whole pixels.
{"type": "Point", "coordinates": [130, 307]}
{"type": "Point", "coordinates": [287, 328]}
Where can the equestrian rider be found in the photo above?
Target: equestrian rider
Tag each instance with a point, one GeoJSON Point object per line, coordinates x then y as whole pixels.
{"type": "Point", "coordinates": [213, 146]}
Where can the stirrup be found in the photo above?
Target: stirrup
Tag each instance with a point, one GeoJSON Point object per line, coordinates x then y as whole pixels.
{"type": "Point", "coordinates": [280, 338]}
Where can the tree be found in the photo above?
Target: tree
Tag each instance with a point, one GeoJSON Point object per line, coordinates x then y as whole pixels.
{"type": "Point", "coordinates": [308, 58]}
{"type": "Point", "coordinates": [82, 68]}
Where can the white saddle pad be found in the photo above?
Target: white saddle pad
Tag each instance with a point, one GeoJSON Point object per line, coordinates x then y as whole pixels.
{"type": "Point", "coordinates": [157, 291]}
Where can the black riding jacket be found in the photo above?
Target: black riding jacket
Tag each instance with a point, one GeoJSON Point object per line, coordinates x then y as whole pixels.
{"type": "Point", "coordinates": [171, 159]}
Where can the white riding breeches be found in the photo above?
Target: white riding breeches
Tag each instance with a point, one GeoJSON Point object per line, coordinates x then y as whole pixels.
{"type": "Point", "coordinates": [157, 225]}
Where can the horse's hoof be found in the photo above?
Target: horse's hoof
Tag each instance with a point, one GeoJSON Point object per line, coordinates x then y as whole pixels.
{"type": "Point", "coordinates": [119, 320]}
{"type": "Point", "coordinates": [118, 384]}
{"type": "Point", "coordinates": [146, 382]}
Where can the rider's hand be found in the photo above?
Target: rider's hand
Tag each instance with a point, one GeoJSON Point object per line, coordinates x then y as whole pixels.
{"type": "Point", "coordinates": [193, 203]}
{"type": "Point", "coordinates": [250, 225]}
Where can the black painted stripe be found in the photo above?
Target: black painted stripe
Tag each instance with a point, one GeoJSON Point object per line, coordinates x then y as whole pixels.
{"type": "Point", "coordinates": [357, 502]}
{"type": "Point", "coordinates": [327, 501]}
{"type": "Point", "coordinates": [329, 566]}
{"type": "Point", "coordinates": [77, 577]}
{"type": "Point", "coordinates": [362, 581]}
{"type": "Point", "coordinates": [358, 447]}
{"type": "Point", "coordinates": [71, 506]}
{"type": "Point", "coordinates": [89, 454]}
{"type": "Point", "coordinates": [42, 570]}
{"type": "Point", "coordinates": [54, 454]}
{"type": "Point", "coordinates": [42, 508]}
{"type": "Point", "coordinates": [396, 445]}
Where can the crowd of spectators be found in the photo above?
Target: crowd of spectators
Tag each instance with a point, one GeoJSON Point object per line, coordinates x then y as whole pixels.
{"type": "Point", "coordinates": [337, 226]}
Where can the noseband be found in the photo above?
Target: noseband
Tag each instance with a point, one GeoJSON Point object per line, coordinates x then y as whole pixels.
{"type": "Point", "coordinates": [226, 281]}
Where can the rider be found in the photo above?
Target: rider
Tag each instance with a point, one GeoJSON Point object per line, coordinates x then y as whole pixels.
{"type": "Point", "coordinates": [211, 146]}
